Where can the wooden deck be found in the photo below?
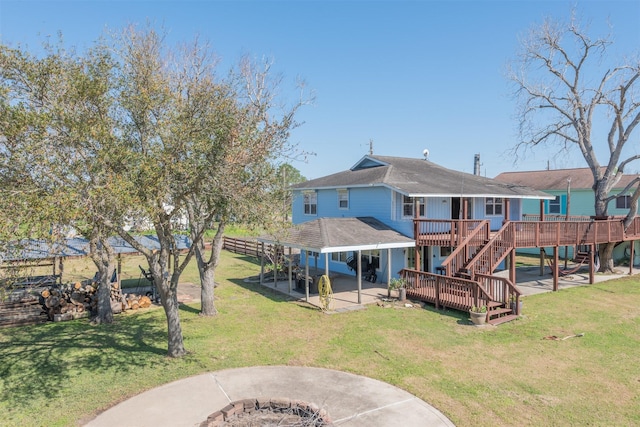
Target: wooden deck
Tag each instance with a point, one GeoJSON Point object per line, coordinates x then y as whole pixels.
{"type": "Point", "coordinates": [466, 278]}
{"type": "Point", "coordinates": [527, 234]}
{"type": "Point", "coordinates": [457, 293]}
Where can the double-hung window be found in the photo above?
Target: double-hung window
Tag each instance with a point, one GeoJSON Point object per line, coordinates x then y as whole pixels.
{"type": "Point", "coordinates": [493, 206]}
{"type": "Point", "coordinates": [408, 203]}
{"type": "Point", "coordinates": [343, 198]}
{"type": "Point", "coordinates": [310, 203]}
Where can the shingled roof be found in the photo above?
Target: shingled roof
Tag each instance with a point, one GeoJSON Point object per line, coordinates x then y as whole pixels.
{"type": "Point", "coordinates": [420, 178]}
{"type": "Point", "coordinates": [547, 180]}
{"type": "Point", "coordinates": [326, 235]}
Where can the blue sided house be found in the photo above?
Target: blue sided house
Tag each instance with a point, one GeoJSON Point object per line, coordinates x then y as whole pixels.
{"type": "Point", "coordinates": [371, 210]}
{"type": "Point", "coordinates": [444, 233]}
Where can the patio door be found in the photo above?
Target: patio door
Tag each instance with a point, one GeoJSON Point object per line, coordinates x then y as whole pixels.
{"type": "Point", "coordinates": [410, 261]}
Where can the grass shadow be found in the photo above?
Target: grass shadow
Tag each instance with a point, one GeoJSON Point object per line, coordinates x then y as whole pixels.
{"type": "Point", "coordinates": [265, 291]}
{"type": "Point", "coordinates": [42, 360]}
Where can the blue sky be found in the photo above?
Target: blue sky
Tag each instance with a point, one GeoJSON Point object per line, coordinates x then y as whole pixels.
{"type": "Point", "coordinates": [407, 75]}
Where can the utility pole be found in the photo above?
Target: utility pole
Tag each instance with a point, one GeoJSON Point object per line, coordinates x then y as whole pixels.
{"type": "Point", "coordinates": [371, 147]}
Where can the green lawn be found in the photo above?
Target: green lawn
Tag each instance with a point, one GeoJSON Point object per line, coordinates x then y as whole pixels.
{"type": "Point", "coordinates": [60, 374]}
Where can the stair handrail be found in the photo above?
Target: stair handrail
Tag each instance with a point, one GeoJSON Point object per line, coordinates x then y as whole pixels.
{"type": "Point", "coordinates": [507, 293]}
{"type": "Point", "coordinates": [507, 228]}
{"type": "Point", "coordinates": [483, 226]}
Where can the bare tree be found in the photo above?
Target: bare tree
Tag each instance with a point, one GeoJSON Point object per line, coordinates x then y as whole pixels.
{"type": "Point", "coordinates": [568, 98]}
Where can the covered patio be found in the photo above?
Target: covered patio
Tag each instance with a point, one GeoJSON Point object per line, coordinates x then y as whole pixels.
{"type": "Point", "coordinates": [325, 236]}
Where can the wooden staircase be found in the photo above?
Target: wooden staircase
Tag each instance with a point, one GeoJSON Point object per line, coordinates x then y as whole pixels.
{"type": "Point", "coordinates": [498, 313]}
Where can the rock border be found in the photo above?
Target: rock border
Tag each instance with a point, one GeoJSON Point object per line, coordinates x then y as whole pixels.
{"type": "Point", "coordinates": [310, 412]}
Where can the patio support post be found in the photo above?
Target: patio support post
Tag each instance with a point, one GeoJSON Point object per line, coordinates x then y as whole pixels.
{"type": "Point", "coordinates": [262, 263]}
{"type": "Point", "coordinates": [326, 264]}
{"type": "Point", "coordinates": [388, 269]}
{"type": "Point", "coordinates": [290, 281]}
{"type": "Point", "coordinates": [359, 277]}
{"type": "Point", "coordinates": [556, 260]}
{"type": "Point", "coordinates": [306, 275]}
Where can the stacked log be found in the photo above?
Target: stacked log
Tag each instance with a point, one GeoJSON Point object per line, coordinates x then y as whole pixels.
{"type": "Point", "coordinates": [22, 309]}
{"type": "Point", "coordinates": [64, 302]}
{"type": "Point", "coordinates": [70, 301]}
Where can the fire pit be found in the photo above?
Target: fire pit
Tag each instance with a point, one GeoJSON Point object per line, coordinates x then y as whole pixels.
{"type": "Point", "coordinates": [269, 412]}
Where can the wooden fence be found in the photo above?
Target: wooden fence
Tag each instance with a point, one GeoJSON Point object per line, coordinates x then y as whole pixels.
{"type": "Point", "coordinates": [252, 248]}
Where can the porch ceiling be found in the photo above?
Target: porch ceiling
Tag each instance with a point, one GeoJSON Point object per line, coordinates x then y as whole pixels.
{"type": "Point", "coordinates": [327, 235]}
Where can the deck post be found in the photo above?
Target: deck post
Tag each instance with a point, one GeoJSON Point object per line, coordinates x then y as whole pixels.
{"type": "Point", "coordinates": [359, 276]}
{"type": "Point", "coordinates": [592, 264]}
{"type": "Point", "coordinates": [507, 208]}
{"type": "Point", "coordinates": [512, 265]}
{"type": "Point", "coordinates": [555, 268]}
{"type": "Point", "coordinates": [632, 245]}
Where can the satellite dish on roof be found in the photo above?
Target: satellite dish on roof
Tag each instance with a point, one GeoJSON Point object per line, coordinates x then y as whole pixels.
{"type": "Point", "coordinates": [425, 153]}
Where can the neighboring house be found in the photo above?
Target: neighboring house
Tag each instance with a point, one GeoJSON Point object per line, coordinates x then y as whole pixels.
{"type": "Point", "coordinates": [395, 191]}
{"type": "Point", "coordinates": [574, 197]}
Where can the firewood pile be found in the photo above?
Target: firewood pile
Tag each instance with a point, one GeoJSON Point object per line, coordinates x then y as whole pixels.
{"type": "Point", "coordinates": [64, 302]}
{"type": "Point", "coordinates": [21, 308]}
{"type": "Point", "coordinates": [81, 299]}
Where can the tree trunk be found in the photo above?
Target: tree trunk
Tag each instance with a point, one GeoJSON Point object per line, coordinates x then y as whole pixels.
{"type": "Point", "coordinates": [207, 281]}
{"type": "Point", "coordinates": [105, 314]}
{"type": "Point", "coordinates": [103, 257]}
{"type": "Point", "coordinates": [605, 253]}
{"type": "Point", "coordinates": [169, 298]}
{"type": "Point", "coordinates": [207, 271]}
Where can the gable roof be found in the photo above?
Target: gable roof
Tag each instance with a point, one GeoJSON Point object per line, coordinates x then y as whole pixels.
{"type": "Point", "coordinates": [420, 178]}
{"type": "Point", "coordinates": [326, 235]}
{"type": "Point", "coordinates": [548, 180]}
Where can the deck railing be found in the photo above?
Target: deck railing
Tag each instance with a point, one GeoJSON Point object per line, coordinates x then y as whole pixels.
{"type": "Point", "coordinates": [501, 289]}
{"type": "Point", "coordinates": [445, 291]}
{"type": "Point", "coordinates": [557, 217]}
{"type": "Point", "coordinates": [443, 232]}
{"type": "Point", "coordinates": [529, 234]}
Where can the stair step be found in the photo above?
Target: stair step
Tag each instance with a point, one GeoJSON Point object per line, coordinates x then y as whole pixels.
{"type": "Point", "coordinates": [493, 304]}
{"type": "Point", "coordinates": [499, 311]}
{"type": "Point", "coordinates": [499, 320]}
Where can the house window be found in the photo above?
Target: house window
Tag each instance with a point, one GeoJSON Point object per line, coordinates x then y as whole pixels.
{"type": "Point", "coordinates": [493, 206]}
{"type": "Point", "coordinates": [373, 257]}
{"type": "Point", "coordinates": [343, 199]}
{"type": "Point", "coordinates": [554, 206]}
{"type": "Point", "coordinates": [407, 205]}
{"type": "Point", "coordinates": [445, 251]}
{"type": "Point", "coordinates": [339, 256]}
{"type": "Point", "coordinates": [623, 202]}
{"type": "Point", "coordinates": [310, 203]}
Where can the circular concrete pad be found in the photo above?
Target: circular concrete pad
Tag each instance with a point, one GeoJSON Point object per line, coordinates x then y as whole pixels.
{"type": "Point", "coordinates": [350, 400]}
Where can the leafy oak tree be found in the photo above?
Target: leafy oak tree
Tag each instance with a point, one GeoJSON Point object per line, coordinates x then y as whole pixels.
{"type": "Point", "coordinates": [54, 129]}
{"type": "Point", "coordinates": [572, 94]}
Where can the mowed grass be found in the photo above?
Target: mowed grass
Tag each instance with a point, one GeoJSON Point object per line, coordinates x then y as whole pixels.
{"type": "Point", "coordinates": [61, 374]}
